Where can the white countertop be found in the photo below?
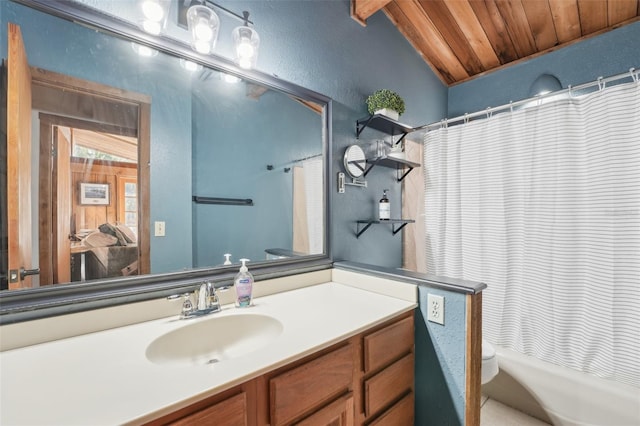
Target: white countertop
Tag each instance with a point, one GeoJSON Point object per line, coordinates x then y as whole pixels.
{"type": "Point", "coordinates": [105, 377]}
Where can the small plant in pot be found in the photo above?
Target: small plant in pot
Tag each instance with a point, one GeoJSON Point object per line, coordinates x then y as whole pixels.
{"type": "Point", "coordinates": [385, 102]}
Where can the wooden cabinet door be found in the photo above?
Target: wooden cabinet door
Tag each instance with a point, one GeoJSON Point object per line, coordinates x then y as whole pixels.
{"type": "Point", "coordinates": [338, 413]}
{"type": "Point", "coordinates": [229, 412]}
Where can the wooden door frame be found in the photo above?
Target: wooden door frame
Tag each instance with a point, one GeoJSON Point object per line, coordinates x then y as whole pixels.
{"type": "Point", "coordinates": [99, 94]}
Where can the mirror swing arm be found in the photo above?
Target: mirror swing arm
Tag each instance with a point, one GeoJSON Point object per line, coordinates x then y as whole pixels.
{"type": "Point", "coordinates": [30, 304]}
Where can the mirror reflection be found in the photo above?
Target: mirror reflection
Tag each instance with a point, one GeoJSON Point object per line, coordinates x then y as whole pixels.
{"type": "Point", "coordinates": [130, 161]}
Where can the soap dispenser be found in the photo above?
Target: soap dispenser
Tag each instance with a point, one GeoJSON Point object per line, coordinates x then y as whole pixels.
{"type": "Point", "coordinates": [227, 259]}
{"type": "Point", "coordinates": [243, 284]}
{"type": "Point", "coordinates": [384, 207]}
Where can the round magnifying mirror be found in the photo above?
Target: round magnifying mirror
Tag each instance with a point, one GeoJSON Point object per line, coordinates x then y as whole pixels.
{"type": "Point", "coordinates": [354, 161]}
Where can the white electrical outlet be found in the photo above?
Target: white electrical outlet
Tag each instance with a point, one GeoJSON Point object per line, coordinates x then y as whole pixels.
{"type": "Point", "coordinates": [435, 308]}
{"type": "Point", "coordinates": [159, 229]}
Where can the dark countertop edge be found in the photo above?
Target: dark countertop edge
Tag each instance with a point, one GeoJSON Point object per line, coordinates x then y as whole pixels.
{"type": "Point", "coordinates": [418, 278]}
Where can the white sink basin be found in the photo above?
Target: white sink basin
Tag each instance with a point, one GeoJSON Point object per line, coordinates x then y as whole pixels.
{"type": "Point", "coordinates": [214, 339]}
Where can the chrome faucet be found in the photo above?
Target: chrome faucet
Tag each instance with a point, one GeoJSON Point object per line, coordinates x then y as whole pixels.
{"type": "Point", "coordinates": [206, 299]}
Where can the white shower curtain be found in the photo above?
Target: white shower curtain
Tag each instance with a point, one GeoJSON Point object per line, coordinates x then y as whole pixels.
{"type": "Point", "coordinates": [543, 205]}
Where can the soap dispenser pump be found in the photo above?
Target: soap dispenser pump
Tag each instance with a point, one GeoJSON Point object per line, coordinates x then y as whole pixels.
{"type": "Point", "coordinates": [244, 286]}
{"type": "Point", "coordinates": [384, 207]}
{"type": "Point", "coordinates": [227, 259]}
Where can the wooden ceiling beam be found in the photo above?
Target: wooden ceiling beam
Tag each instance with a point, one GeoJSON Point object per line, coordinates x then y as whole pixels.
{"type": "Point", "coordinates": [361, 10]}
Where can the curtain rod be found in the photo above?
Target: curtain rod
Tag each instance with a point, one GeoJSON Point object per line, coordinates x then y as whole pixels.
{"type": "Point", "coordinates": [600, 82]}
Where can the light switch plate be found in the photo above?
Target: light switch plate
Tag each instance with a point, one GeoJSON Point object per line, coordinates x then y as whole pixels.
{"type": "Point", "coordinates": [159, 229]}
{"type": "Point", "coordinates": [435, 308]}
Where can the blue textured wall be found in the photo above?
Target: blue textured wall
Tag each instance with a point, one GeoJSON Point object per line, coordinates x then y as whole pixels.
{"type": "Point", "coordinates": [608, 54]}
{"type": "Point", "coordinates": [317, 45]}
{"type": "Point", "coordinates": [440, 361]}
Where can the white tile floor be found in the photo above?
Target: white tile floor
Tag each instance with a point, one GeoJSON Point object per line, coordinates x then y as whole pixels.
{"type": "Point", "coordinates": [494, 413]}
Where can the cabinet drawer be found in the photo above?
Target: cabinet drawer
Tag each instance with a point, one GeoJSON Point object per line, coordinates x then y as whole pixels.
{"type": "Point", "coordinates": [388, 344]}
{"type": "Point", "coordinates": [401, 413]}
{"type": "Point", "coordinates": [230, 412]}
{"type": "Point", "coordinates": [306, 387]}
{"type": "Point", "coordinates": [388, 385]}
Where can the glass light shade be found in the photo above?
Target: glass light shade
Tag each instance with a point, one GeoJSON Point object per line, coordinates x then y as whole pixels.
{"type": "Point", "coordinates": [155, 14]}
{"type": "Point", "coordinates": [246, 42]}
{"type": "Point", "coordinates": [203, 25]}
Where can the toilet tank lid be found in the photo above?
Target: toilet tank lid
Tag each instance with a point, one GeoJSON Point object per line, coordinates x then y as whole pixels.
{"type": "Point", "coordinates": [487, 350]}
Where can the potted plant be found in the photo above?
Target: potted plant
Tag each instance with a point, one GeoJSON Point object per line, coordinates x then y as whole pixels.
{"type": "Point", "coordinates": [385, 102]}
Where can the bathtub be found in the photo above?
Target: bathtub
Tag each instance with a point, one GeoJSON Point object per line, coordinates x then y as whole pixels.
{"type": "Point", "coordinates": [562, 396]}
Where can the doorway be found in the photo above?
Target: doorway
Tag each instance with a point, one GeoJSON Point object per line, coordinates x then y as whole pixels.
{"type": "Point", "coordinates": [92, 137]}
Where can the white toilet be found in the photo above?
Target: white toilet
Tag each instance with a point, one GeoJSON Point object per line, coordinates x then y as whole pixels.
{"type": "Point", "coordinates": [489, 368]}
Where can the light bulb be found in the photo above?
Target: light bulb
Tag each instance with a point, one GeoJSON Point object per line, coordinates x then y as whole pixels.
{"type": "Point", "coordinates": [152, 10]}
{"type": "Point", "coordinates": [202, 46]}
{"type": "Point", "coordinates": [245, 49]}
{"type": "Point", "coordinates": [202, 31]}
{"type": "Point", "coordinates": [244, 63]}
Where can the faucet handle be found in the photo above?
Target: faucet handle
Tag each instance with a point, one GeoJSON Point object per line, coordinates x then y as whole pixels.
{"type": "Point", "coordinates": [187, 306]}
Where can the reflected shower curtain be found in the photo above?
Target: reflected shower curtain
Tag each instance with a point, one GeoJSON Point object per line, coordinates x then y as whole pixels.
{"type": "Point", "coordinates": [315, 204]}
{"type": "Point", "coordinates": [308, 207]}
{"type": "Point", "coordinates": [543, 205]}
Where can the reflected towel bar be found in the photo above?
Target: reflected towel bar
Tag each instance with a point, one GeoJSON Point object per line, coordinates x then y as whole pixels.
{"type": "Point", "coordinates": [223, 201]}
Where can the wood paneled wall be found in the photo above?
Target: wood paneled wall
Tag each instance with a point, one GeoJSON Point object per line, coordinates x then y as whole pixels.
{"type": "Point", "coordinates": [97, 171]}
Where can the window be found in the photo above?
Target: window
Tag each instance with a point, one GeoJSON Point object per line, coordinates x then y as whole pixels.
{"type": "Point", "coordinates": [128, 202]}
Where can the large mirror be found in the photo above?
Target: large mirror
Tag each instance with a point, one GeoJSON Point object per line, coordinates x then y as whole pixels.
{"type": "Point", "coordinates": [131, 161]}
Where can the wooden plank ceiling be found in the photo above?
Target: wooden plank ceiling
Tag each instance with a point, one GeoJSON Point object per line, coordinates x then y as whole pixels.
{"type": "Point", "coordinates": [461, 39]}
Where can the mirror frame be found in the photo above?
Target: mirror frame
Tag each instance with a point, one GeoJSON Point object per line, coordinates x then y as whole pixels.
{"type": "Point", "coordinates": [29, 304]}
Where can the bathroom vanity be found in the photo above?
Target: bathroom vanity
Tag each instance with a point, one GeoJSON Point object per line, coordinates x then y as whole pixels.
{"type": "Point", "coordinates": [366, 378]}
{"type": "Point", "coordinates": [320, 353]}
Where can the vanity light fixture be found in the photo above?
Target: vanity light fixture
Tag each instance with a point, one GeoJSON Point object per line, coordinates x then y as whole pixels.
{"type": "Point", "coordinates": [199, 17]}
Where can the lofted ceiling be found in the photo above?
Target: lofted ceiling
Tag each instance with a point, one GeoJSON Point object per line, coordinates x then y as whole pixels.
{"type": "Point", "coordinates": [461, 39]}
